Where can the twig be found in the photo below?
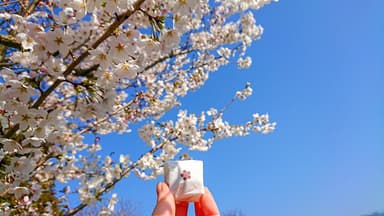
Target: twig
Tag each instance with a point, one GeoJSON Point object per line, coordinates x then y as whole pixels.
{"type": "Point", "coordinates": [10, 41]}
{"type": "Point", "coordinates": [31, 7]}
{"type": "Point", "coordinates": [9, 3]}
{"type": "Point", "coordinates": [85, 130]}
{"type": "Point", "coordinates": [110, 185]}
{"type": "Point", "coordinates": [171, 55]}
{"type": "Point", "coordinates": [2, 65]}
{"type": "Point", "coordinates": [12, 131]}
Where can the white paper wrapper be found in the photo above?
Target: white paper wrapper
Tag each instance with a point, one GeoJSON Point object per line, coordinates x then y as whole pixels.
{"type": "Point", "coordinates": [185, 179]}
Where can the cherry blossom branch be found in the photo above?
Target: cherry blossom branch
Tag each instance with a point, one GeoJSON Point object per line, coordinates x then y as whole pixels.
{"type": "Point", "coordinates": [10, 41]}
{"type": "Point", "coordinates": [119, 20]}
{"type": "Point", "coordinates": [171, 55]}
{"type": "Point", "coordinates": [127, 170]}
{"type": "Point", "coordinates": [31, 7]}
{"type": "Point", "coordinates": [88, 128]}
{"type": "Point", "coordinates": [12, 131]}
{"type": "Point", "coordinates": [9, 3]}
{"type": "Point", "coordinates": [3, 65]}
{"type": "Point", "coordinates": [3, 50]}
{"type": "Point", "coordinates": [110, 185]}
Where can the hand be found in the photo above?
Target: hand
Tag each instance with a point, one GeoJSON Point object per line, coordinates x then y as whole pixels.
{"type": "Point", "coordinates": [166, 206]}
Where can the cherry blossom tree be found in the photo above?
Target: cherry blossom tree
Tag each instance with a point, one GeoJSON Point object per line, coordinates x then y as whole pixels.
{"type": "Point", "coordinates": [69, 68]}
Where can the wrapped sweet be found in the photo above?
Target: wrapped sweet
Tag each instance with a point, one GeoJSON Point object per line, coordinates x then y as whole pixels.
{"type": "Point", "coordinates": [185, 179]}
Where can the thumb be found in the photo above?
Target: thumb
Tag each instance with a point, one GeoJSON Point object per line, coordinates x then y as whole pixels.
{"type": "Point", "coordinates": [165, 205]}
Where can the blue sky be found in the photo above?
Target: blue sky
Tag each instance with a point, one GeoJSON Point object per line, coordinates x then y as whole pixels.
{"type": "Point", "coordinates": [318, 71]}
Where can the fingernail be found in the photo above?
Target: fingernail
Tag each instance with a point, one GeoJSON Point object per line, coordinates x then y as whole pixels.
{"type": "Point", "coordinates": [159, 188]}
{"type": "Point", "coordinates": [207, 190]}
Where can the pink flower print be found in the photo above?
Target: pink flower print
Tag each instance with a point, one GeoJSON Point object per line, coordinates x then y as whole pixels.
{"type": "Point", "coordinates": [185, 175]}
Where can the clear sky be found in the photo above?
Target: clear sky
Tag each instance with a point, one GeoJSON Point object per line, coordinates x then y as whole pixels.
{"type": "Point", "coordinates": [318, 71]}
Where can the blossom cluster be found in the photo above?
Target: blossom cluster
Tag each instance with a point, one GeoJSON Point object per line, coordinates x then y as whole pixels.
{"type": "Point", "coordinates": [196, 132]}
{"type": "Point", "coordinates": [69, 68]}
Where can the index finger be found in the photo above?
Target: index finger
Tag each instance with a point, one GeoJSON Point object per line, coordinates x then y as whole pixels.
{"type": "Point", "coordinates": [206, 205]}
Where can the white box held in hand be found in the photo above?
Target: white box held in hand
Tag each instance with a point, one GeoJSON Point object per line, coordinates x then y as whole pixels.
{"type": "Point", "coordinates": [185, 179]}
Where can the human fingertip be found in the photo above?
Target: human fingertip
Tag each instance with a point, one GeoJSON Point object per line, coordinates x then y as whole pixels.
{"type": "Point", "coordinates": [158, 188]}
{"type": "Point", "coordinates": [208, 204]}
{"type": "Point", "coordinates": [162, 190]}
{"type": "Point", "coordinates": [207, 190]}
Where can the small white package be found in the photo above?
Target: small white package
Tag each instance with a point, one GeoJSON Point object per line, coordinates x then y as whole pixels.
{"type": "Point", "coordinates": [185, 179]}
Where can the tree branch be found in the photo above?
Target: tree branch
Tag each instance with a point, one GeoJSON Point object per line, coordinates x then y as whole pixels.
{"type": "Point", "coordinates": [110, 185]}
{"type": "Point", "coordinates": [9, 3]}
{"type": "Point", "coordinates": [87, 71]}
{"type": "Point", "coordinates": [3, 52]}
{"type": "Point", "coordinates": [11, 131]}
{"type": "Point", "coordinates": [171, 55]}
{"type": "Point", "coordinates": [87, 129]}
{"type": "Point", "coordinates": [119, 20]}
{"type": "Point", "coordinates": [31, 7]}
{"type": "Point", "coordinates": [10, 41]}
